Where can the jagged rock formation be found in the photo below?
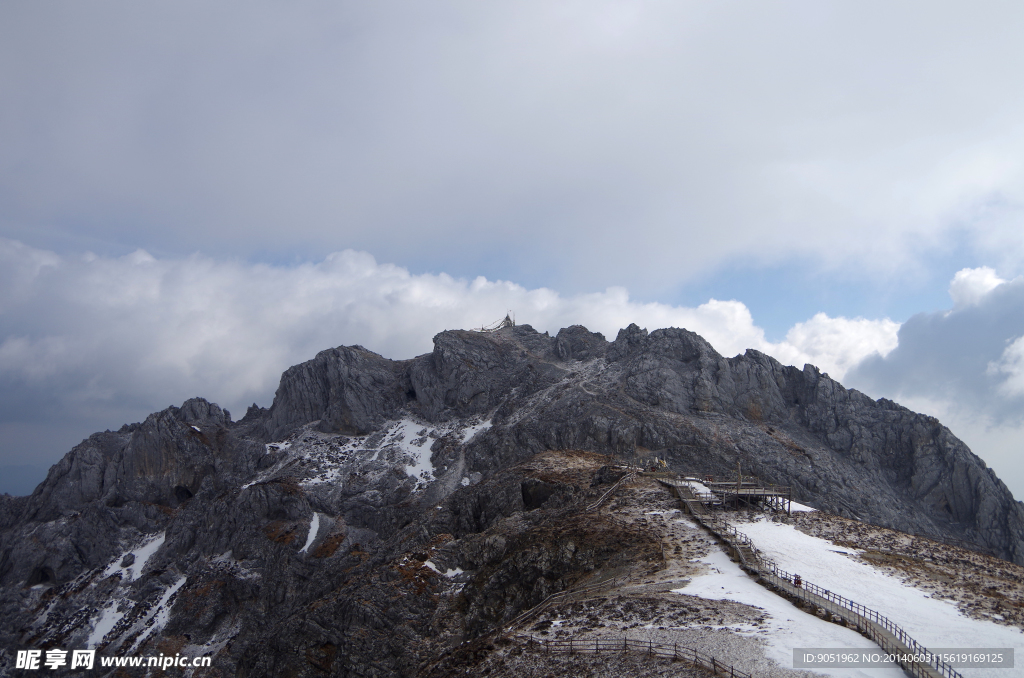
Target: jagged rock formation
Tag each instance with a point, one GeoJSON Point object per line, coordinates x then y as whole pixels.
{"type": "Point", "coordinates": [671, 393]}
{"type": "Point", "coordinates": [295, 539]}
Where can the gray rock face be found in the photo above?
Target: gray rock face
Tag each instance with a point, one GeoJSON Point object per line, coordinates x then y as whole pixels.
{"type": "Point", "coordinates": [349, 390]}
{"type": "Point", "coordinates": [298, 526]}
{"type": "Point", "coordinates": [669, 391]}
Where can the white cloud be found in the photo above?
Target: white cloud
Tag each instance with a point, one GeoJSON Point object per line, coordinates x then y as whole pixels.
{"type": "Point", "coordinates": [1011, 363]}
{"type": "Point", "coordinates": [94, 332]}
{"type": "Point", "coordinates": [970, 285]}
{"type": "Point", "coordinates": [838, 344]}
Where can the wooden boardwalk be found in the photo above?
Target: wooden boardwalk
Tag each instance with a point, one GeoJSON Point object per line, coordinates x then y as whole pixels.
{"type": "Point", "coordinates": [722, 494]}
{"type": "Point", "coordinates": [886, 634]}
{"type": "Point", "coordinates": [694, 504]}
{"type": "Point", "coordinates": [628, 477]}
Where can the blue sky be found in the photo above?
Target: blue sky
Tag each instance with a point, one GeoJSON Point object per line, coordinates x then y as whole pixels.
{"type": "Point", "coordinates": [194, 197]}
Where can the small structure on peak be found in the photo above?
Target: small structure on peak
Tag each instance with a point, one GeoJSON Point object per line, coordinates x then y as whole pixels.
{"type": "Point", "coordinates": [508, 321]}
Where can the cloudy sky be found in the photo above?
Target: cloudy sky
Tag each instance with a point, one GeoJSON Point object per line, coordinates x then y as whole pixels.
{"type": "Point", "coordinates": [194, 196]}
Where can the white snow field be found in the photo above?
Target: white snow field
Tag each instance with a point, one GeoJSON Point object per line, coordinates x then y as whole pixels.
{"type": "Point", "coordinates": [933, 622]}
{"type": "Point", "coordinates": [789, 626]}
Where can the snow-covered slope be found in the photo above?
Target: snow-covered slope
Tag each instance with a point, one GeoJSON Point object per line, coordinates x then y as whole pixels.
{"type": "Point", "coordinates": [933, 622]}
{"type": "Point", "coordinates": [787, 626]}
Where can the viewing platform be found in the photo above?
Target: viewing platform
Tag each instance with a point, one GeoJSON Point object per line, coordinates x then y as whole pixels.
{"type": "Point", "coordinates": [736, 494]}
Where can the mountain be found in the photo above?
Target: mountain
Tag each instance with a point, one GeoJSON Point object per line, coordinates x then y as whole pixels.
{"type": "Point", "coordinates": [317, 537]}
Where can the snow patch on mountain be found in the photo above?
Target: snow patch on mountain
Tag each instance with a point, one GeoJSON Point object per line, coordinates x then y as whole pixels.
{"type": "Point", "coordinates": [141, 555]}
{"type": "Point", "coordinates": [451, 572]}
{"type": "Point", "coordinates": [106, 622]}
{"type": "Point", "coordinates": [409, 439]}
{"type": "Point", "coordinates": [157, 618]}
{"type": "Point", "coordinates": [277, 447]}
{"type": "Point", "coordinates": [472, 431]}
{"type": "Point", "coordinates": [314, 527]}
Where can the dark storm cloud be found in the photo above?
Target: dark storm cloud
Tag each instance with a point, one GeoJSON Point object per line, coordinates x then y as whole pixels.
{"type": "Point", "coordinates": [965, 357]}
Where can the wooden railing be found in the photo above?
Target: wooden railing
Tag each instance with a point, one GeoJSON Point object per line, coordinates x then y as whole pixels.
{"type": "Point", "coordinates": [559, 597]}
{"type": "Point", "coordinates": [621, 481]}
{"type": "Point", "coordinates": [626, 645]}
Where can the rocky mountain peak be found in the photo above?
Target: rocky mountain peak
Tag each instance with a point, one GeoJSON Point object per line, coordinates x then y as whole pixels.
{"type": "Point", "coordinates": [361, 458]}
